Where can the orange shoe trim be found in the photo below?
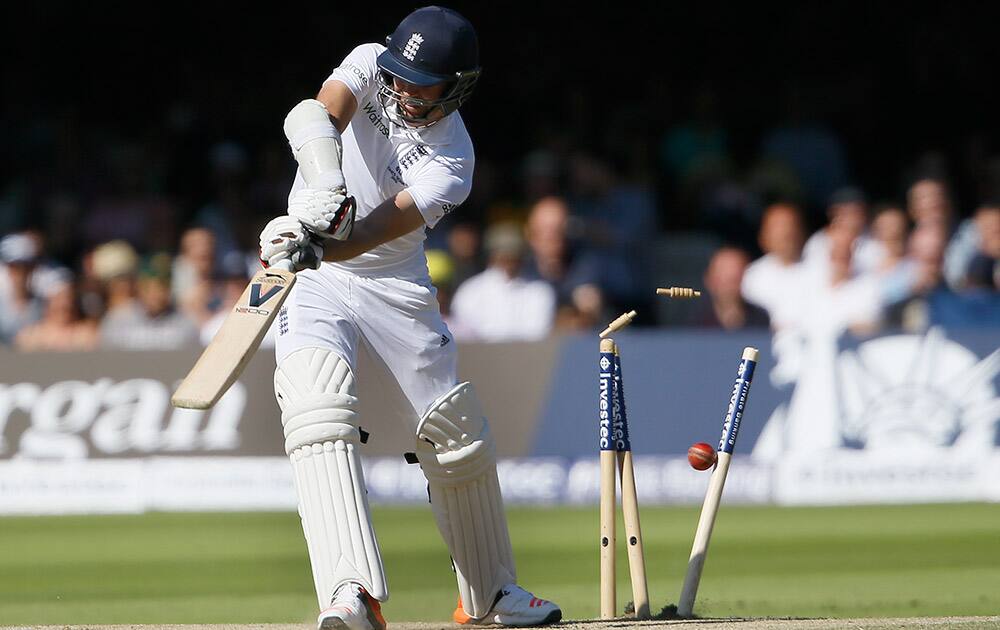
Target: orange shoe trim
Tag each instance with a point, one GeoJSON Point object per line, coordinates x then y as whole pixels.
{"type": "Point", "coordinates": [374, 610]}
{"type": "Point", "coordinates": [460, 616]}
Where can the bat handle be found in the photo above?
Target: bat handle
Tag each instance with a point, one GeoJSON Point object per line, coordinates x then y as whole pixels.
{"type": "Point", "coordinates": [284, 265]}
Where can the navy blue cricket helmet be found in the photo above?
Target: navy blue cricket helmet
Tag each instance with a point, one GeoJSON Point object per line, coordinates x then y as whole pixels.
{"type": "Point", "coordinates": [431, 45]}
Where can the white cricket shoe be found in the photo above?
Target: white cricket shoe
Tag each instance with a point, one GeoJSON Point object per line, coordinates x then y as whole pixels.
{"type": "Point", "coordinates": [352, 608]}
{"type": "Point", "coordinates": [514, 607]}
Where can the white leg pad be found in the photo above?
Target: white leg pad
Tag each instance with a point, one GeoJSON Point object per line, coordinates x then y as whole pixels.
{"type": "Point", "coordinates": [315, 144]}
{"type": "Point", "coordinates": [458, 456]}
{"type": "Point", "coordinates": [315, 390]}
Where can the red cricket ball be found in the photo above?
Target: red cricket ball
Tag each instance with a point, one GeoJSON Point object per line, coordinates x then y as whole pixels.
{"type": "Point", "coordinates": [701, 456]}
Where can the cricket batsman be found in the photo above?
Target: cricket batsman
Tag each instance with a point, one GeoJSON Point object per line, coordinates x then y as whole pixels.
{"type": "Point", "coordinates": [383, 154]}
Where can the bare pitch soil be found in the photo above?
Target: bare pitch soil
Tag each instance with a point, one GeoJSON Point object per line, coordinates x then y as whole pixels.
{"type": "Point", "coordinates": [915, 623]}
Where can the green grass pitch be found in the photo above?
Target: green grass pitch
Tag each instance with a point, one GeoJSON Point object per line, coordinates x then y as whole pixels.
{"type": "Point", "coordinates": [931, 560]}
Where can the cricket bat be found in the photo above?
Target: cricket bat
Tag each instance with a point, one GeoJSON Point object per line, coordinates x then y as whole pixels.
{"type": "Point", "coordinates": [233, 346]}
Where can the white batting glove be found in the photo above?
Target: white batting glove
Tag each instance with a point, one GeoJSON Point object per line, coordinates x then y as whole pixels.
{"type": "Point", "coordinates": [285, 238]}
{"type": "Point", "coordinates": [328, 213]}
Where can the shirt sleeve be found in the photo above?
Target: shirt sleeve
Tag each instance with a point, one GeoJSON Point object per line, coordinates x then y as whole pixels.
{"type": "Point", "coordinates": [358, 70]}
{"type": "Point", "coordinates": [441, 186]}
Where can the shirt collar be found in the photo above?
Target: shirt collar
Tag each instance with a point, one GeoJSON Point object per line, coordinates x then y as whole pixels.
{"type": "Point", "coordinates": [438, 134]}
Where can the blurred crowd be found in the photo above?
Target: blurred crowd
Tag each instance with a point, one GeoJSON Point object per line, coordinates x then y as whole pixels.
{"type": "Point", "coordinates": [107, 253]}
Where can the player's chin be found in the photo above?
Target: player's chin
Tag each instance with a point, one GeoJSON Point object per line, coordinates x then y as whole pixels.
{"type": "Point", "coordinates": [422, 120]}
{"type": "Point", "coordinates": [416, 118]}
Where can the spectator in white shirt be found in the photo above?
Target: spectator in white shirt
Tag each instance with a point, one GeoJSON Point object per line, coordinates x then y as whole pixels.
{"type": "Point", "coordinates": [774, 281]}
{"type": "Point", "coordinates": [498, 304]}
{"type": "Point", "coordinates": [847, 210]}
{"type": "Point", "coordinates": [837, 297]}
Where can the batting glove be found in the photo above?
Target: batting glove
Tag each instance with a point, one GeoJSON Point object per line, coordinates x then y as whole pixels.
{"type": "Point", "coordinates": [285, 238]}
{"type": "Point", "coordinates": [328, 213]}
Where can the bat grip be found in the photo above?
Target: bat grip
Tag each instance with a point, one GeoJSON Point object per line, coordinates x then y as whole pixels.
{"type": "Point", "coordinates": [284, 265]}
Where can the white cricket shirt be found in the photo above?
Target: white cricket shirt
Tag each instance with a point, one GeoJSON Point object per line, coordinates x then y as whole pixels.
{"type": "Point", "coordinates": [490, 306]}
{"type": "Point", "coordinates": [382, 159]}
{"type": "Point", "coordinates": [777, 288]}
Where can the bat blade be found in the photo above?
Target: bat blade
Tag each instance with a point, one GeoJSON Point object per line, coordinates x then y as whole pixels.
{"type": "Point", "coordinates": [234, 344]}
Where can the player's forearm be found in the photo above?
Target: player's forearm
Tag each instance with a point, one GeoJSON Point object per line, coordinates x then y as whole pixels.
{"type": "Point", "coordinates": [366, 236]}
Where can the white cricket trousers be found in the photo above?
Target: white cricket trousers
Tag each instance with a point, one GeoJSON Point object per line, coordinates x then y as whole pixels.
{"type": "Point", "coordinates": [398, 322]}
